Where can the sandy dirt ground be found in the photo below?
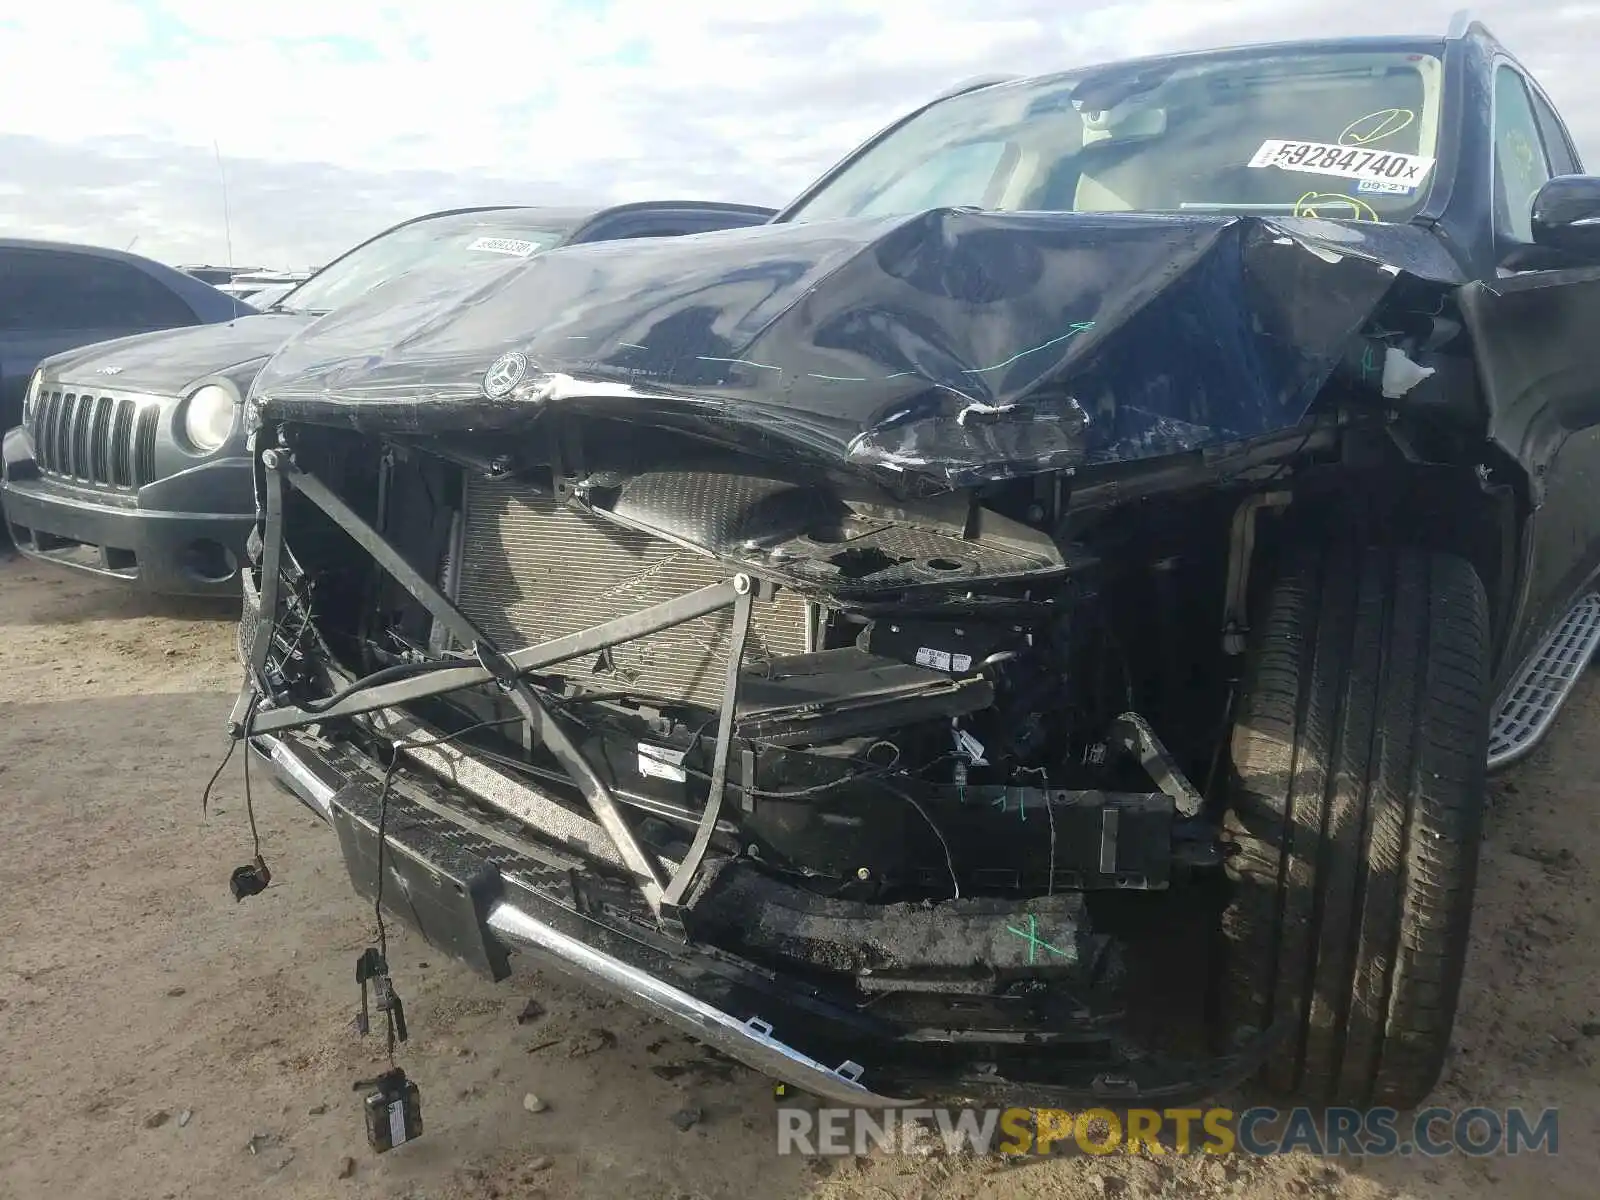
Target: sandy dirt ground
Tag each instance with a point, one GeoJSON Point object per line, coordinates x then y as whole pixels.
{"type": "Point", "coordinates": [159, 1040]}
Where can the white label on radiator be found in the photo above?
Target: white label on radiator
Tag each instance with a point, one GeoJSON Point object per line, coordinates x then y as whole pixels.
{"type": "Point", "coordinates": [397, 1122]}
{"type": "Point", "coordinates": [662, 762]}
{"type": "Point", "coordinates": [939, 660]}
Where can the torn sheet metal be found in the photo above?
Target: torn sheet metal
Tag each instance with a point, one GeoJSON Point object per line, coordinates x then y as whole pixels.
{"type": "Point", "coordinates": [952, 346]}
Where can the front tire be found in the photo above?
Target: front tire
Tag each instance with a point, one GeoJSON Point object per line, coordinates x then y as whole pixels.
{"type": "Point", "coordinates": [1359, 753]}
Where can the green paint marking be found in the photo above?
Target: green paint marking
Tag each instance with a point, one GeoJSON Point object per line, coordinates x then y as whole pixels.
{"type": "Point", "coordinates": [1031, 936]}
{"type": "Point", "coordinates": [1369, 366]}
{"type": "Point", "coordinates": [1073, 331]}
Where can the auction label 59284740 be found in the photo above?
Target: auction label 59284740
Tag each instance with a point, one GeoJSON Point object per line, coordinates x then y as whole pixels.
{"type": "Point", "coordinates": [1347, 162]}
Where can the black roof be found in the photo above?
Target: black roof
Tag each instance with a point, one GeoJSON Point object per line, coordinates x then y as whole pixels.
{"type": "Point", "coordinates": [1376, 44]}
{"type": "Point", "coordinates": [1462, 27]}
{"type": "Point", "coordinates": [208, 303]}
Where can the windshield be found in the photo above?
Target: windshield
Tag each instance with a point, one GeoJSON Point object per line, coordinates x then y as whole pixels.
{"type": "Point", "coordinates": [431, 242]}
{"type": "Point", "coordinates": [266, 297]}
{"type": "Point", "coordinates": [1348, 134]}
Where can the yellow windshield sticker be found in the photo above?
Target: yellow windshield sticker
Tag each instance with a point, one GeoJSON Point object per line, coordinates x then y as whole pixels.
{"type": "Point", "coordinates": [1374, 127]}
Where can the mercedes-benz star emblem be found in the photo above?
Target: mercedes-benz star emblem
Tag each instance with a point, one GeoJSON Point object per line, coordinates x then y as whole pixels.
{"type": "Point", "coordinates": [504, 373]}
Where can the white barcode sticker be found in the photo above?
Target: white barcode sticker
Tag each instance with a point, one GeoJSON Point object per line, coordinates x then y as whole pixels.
{"type": "Point", "coordinates": [496, 245]}
{"type": "Point", "coordinates": [661, 762]}
{"type": "Point", "coordinates": [397, 1122]}
{"type": "Point", "coordinates": [939, 660]}
{"type": "Point", "coordinates": [1346, 162]}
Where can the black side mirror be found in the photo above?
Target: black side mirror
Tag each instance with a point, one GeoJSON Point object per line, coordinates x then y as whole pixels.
{"type": "Point", "coordinates": [1566, 218]}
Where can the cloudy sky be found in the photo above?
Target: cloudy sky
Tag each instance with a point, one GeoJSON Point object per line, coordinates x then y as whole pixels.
{"type": "Point", "coordinates": [336, 118]}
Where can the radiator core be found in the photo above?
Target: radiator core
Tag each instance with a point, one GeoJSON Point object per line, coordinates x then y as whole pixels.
{"type": "Point", "coordinates": [533, 569]}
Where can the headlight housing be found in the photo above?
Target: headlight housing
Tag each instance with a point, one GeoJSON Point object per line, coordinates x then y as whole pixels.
{"type": "Point", "coordinates": [30, 398]}
{"type": "Point", "coordinates": [209, 416]}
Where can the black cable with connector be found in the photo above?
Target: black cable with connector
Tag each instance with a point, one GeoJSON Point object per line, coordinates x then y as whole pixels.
{"type": "Point", "coordinates": [252, 878]}
{"type": "Point", "coordinates": [378, 969]}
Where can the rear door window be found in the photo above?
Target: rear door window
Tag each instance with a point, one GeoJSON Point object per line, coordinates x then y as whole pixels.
{"type": "Point", "coordinates": [1520, 166]}
{"type": "Point", "coordinates": [47, 290]}
{"type": "Point", "coordinates": [1563, 159]}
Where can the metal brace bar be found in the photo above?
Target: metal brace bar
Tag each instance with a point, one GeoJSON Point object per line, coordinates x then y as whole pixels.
{"type": "Point", "coordinates": [271, 569]}
{"type": "Point", "coordinates": [1132, 733]}
{"type": "Point", "coordinates": [255, 675]}
{"type": "Point", "coordinates": [497, 666]}
{"type": "Point", "coordinates": [549, 731]}
{"type": "Point", "coordinates": [370, 540]}
{"type": "Point", "coordinates": [677, 611]}
{"type": "Point", "coordinates": [241, 709]}
{"type": "Point", "coordinates": [719, 767]}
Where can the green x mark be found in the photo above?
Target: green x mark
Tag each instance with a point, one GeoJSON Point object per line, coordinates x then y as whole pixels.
{"type": "Point", "coordinates": [1031, 936]}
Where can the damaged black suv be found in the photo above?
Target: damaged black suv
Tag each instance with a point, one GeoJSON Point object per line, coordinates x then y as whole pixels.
{"type": "Point", "coordinates": [1033, 621]}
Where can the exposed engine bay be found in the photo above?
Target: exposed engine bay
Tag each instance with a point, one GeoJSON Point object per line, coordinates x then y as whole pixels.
{"type": "Point", "coordinates": [1012, 685]}
{"type": "Point", "coordinates": [888, 710]}
{"type": "Point", "coordinates": [944, 732]}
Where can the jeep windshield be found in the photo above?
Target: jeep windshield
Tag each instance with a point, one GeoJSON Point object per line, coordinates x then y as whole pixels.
{"type": "Point", "coordinates": [1348, 134]}
{"type": "Point", "coordinates": [506, 235]}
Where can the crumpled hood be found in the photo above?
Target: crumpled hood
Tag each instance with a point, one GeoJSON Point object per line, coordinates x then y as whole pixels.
{"type": "Point", "coordinates": [170, 361]}
{"type": "Point", "coordinates": [954, 345]}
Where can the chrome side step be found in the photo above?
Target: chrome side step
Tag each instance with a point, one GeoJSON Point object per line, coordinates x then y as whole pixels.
{"type": "Point", "coordinates": [1531, 703]}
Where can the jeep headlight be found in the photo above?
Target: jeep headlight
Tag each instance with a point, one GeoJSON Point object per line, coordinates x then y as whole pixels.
{"type": "Point", "coordinates": [209, 416]}
{"type": "Point", "coordinates": [30, 399]}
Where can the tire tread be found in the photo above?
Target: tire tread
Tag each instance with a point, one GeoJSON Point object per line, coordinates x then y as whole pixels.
{"type": "Point", "coordinates": [1359, 755]}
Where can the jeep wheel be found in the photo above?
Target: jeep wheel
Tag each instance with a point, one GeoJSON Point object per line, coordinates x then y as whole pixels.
{"type": "Point", "coordinates": [1359, 753]}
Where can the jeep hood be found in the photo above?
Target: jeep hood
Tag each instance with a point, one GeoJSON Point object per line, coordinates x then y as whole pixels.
{"type": "Point", "coordinates": [170, 361]}
{"type": "Point", "coordinates": [953, 346]}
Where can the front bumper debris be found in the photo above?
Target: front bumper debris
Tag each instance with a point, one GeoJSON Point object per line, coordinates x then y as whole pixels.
{"type": "Point", "coordinates": [471, 880]}
{"type": "Point", "coordinates": [485, 865]}
{"type": "Point", "coordinates": [477, 892]}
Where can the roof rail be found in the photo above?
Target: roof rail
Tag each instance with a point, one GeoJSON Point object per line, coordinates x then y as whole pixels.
{"type": "Point", "coordinates": [1460, 22]}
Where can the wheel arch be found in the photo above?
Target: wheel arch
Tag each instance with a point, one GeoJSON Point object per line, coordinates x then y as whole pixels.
{"type": "Point", "coordinates": [1479, 512]}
